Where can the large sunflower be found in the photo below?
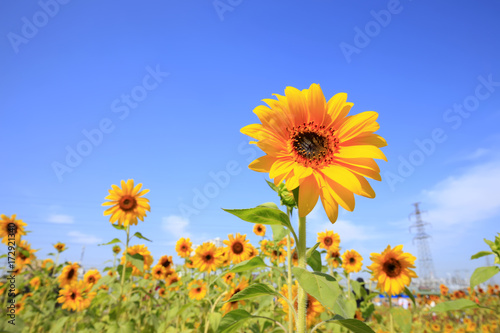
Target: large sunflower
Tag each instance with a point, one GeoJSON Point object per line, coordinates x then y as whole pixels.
{"type": "Point", "coordinates": [314, 144]}
{"type": "Point", "coordinates": [127, 203]}
{"type": "Point", "coordinates": [24, 253]}
{"type": "Point", "coordinates": [13, 227]}
{"type": "Point", "coordinates": [197, 289]}
{"type": "Point", "coordinates": [328, 240]}
{"type": "Point", "coordinates": [392, 269]}
{"type": "Point", "coordinates": [207, 257]}
{"type": "Point", "coordinates": [69, 274]}
{"type": "Point", "coordinates": [238, 248]}
{"type": "Point", "coordinates": [183, 247]}
{"type": "Point", "coordinates": [352, 261]}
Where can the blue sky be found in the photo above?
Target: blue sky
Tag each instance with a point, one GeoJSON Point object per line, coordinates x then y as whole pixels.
{"type": "Point", "coordinates": [164, 87]}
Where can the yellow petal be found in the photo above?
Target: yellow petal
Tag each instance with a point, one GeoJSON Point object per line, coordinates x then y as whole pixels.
{"type": "Point", "coordinates": [262, 164]}
{"type": "Point", "coordinates": [366, 151]}
{"type": "Point", "coordinates": [343, 196]}
{"type": "Point", "coordinates": [308, 195]}
{"type": "Point", "coordinates": [356, 125]}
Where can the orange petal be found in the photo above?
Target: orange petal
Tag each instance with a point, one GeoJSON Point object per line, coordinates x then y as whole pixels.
{"type": "Point", "coordinates": [308, 195]}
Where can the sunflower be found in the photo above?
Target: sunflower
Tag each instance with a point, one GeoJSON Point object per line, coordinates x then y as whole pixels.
{"type": "Point", "coordinates": [259, 229]}
{"type": "Point", "coordinates": [333, 258]}
{"type": "Point", "coordinates": [103, 287]}
{"type": "Point", "coordinates": [471, 327]}
{"type": "Point", "coordinates": [19, 307]}
{"type": "Point", "coordinates": [190, 262]}
{"type": "Point", "coordinates": [392, 269]}
{"type": "Point", "coordinates": [16, 229]}
{"type": "Point", "coordinates": [60, 247]}
{"type": "Point", "coordinates": [313, 307]}
{"type": "Point", "coordinates": [111, 273]}
{"type": "Point", "coordinates": [328, 239]}
{"type": "Point", "coordinates": [295, 257]}
{"type": "Point", "coordinates": [142, 250]}
{"type": "Point", "coordinates": [239, 248]}
{"type": "Point", "coordinates": [69, 274]}
{"type": "Point", "coordinates": [158, 272]}
{"type": "Point", "coordinates": [35, 283]}
{"type": "Point", "coordinates": [162, 292]}
{"type": "Point", "coordinates": [48, 264]}
{"type": "Point", "coordinates": [444, 289]}
{"type": "Point", "coordinates": [228, 278]}
{"type": "Point", "coordinates": [166, 261]}
{"type": "Point", "coordinates": [352, 261]}
{"type": "Point", "coordinates": [266, 247]}
{"type": "Point", "coordinates": [175, 280]}
{"type": "Point", "coordinates": [117, 249]}
{"type": "Point", "coordinates": [127, 203]}
{"type": "Point", "coordinates": [224, 254]}
{"type": "Point", "coordinates": [91, 277]}
{"type": "Point", "coordinates": [283, 241]}
{"type": "Point", "coordinates": [183, 247]}
{"type": "Point", "coordinates": [314, 144]}
{"type": "Point", "coordinates": [253, 252]}
{"type": "Point", "coordinates": [436, 327]}
{"type": "Point", "coordinates": [229, 306]}
{"type": "Point", "coordinates": [75, 296]}
{"type": "Point", "coordinates": [207, 257]}
{"type": "Point", "coordinates": [24, 254]}
{"type": "Point", "coordinates": [278, 255]}
{"type": "Point", "coordinates": [197, 289]}
{"type": "Point", "coordinates": [448, 328]}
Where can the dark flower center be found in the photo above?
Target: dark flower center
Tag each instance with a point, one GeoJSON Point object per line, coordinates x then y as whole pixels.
{"type": "Point", "coordinates": [198, 290]}
{"type": "Point", "coordinates": [91, 280]}
{"type": "Point", "coordinates": [208, 257]}
{"type": "Point", "coordinates": [72, 296]}
{"type": "Point", "coordinates": [237, 248]}
{"type": "Point", "coordinates": [392, 267]}
{"type": "Point", "coordinates": [71, 273]}
{"type": "Point", "coordinates": [166, 263]}
{"type": "Point", "coordinates": [295, 256]}
{"type": "Point", "coordinates": [328, 241]}
{"type": "Point", "coordinates": [352, 260]}
{"type": "Point", "coordinates": [310, 145]}
{"type": "Point", "coordinates": [127, 203]}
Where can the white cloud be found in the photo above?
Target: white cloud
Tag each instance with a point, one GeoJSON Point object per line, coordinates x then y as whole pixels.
{"type": "Point", "coordinates": [60, 219]}
{"type": "Point", "coordinates": [81, 238]}
{"type": "Point", "coordinates": [176, 226]}
{"type": "Point", "coordinates": [465, 199]}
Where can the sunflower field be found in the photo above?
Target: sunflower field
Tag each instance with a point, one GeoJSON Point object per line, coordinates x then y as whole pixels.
{"type": "Point", "coordinates": [312, 150]}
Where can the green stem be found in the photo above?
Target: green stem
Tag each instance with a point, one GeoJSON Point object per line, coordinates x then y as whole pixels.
{"type": "Point", "coordinates": [302, 295]}
{"type": "Point", "coordinates": [348, 285]}
{"type": "Point", "coordinates": [289, 280]}
{"type": "Point", "coordinates": [125, 263]}
{"type": "Point", "coordinates": [391, 324]}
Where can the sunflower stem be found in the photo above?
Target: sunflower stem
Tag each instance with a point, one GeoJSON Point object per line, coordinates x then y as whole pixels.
{"type": "Point", "coordinates": [391, 324]}
{"type": "Point", "coordinates": [348, 285]}
{"type": "Point", "coordinates": [125, 263]}
{"type": "Point", "coordinates": [289, 274]}
{"type": "Point", "coordinates": [302, 296]}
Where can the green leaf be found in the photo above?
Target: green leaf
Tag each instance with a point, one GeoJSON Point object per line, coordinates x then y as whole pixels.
{"type": "Point", "coordinates": [58, 326]}
{"type": "Point", "coordinates": [118, 227]}
{"type": "Point", "coordinates": [271, 185]}
{"type": "Point", "coordinates": [459, 304]}
{"type": "Point", "coordinates": [310, 251]}
{"type": "Point", "coordinates": [482, 274]}
{"type": "Point", "coordinates": [356, 287]}
{"type": "Point", "coordinates": [408, 292]}
{"type": "Point", "coordinates": [403, 319]}
{"type": "Point", "coordinates": [139, 235]}
{"type": "Point", "coordinates": [214, 318]}
{"type": "Point", "coordinates": [279, 232]}
{"type": "Point", "coordinates": [481, 254]}
{"type": "Point", "coordinates": [248, 265]}
{"type": "Point", "coordinates": [353, 325]}
{"type": "Point", "coordinates": [137, 260]}
{"type": "Point", "coordinates": [254, 290]}
{"type": "Point", "coordinates": [233, 320]}
{"type": "Point", "coordinates": [321, 286]}
{"type": "Point", "coordinates": [314, 260]}
{"type": "Point", "coordinates": [3, 256]}
{"type": "Point", "coordinates": [263, 215]}
{"type": "Point", "coordinates": [116, 240]}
